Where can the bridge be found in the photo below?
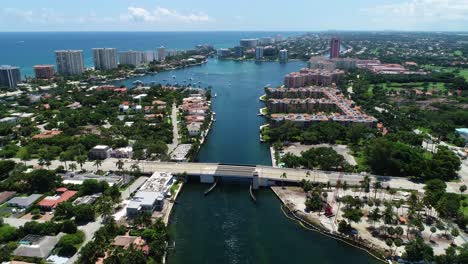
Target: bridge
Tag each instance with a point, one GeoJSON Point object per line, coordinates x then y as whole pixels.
{"type": "Point", "coordinates": [261, 176]}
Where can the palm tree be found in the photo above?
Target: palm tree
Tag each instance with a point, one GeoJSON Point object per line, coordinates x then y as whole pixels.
{"type": "Point", "coordinates": [120, 164]}
{"type": "Point", "coordinates": [135, 167]}
{"type": "Point", "coordinates": [377, 185]}
{"type": "Point", "coordinates": [63, 158]}
{"type": "Point", "coordinates": [398, 243]}
{"type": "Point", "coordinates": [81, 160]}
{"type": "Point", "coordinates": [307, 174]}
{"type": "Point", "coordinates": [283, 176]}
{"type": "Point", "coordinates": [365, 184]}
{"type": "Point", "coordinates": [462, 190]}
{"type": "Point", "coordinates": [433, 230]}
{"type": "Point", "coordinates": [374, 216]}
{"type": "Point", "coordinates": [97, 163]}
{"type": "Point", "coordinates": [72, 167]}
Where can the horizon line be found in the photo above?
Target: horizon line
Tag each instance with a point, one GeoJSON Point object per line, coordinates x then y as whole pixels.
{"type": "Point", "coordinates": [234, 30]}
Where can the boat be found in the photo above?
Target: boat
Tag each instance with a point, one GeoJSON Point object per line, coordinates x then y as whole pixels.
{"type": "Point", "coordinates": [173, 76]}
{"type": "Point", "coordinates": [215, 95]}
{"type": "Point", "coordinates": [137, 82]}
{"type": "Point", "coordinates": [268, 85]}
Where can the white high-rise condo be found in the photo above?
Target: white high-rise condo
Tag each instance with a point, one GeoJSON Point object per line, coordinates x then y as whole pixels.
{"type": "Point", "coordinates": [283, 55]}
{"type": "Point", "coordinates": [131, 57]}
{"type": "Point", "coordinates": [105, 58]}
{"type": "Point", "coordinates": [161, 53]}
{"type": "Point", "coordinates": [10, 76]}
{"type": "Point", "coordinates": [69, 62]}
{"type": "Point", "coordinates": [259, 53]}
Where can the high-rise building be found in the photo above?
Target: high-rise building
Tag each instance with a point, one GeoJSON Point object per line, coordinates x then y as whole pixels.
{"type": "Point", "coordinates": [335, 45]}
{"type": "Point", "coordinates": [161, 53]}
{"type": "Point", "coordinates": [283, 55]}
{"type": "Point", "coordinates": [10, 76]}
{"type": "Point", "coordinates": [258, 53]}
{"type": "Point", "coordinates": [239, 51]}
{"type": "Point", "coordinates": [223, 53]}
{"type": "Point", "coordinates": [69, 62]}
{"type": "Point", "coordinates": [248, 43]}
{"type": "Point", "coordinates": [105, 58]}
{"type": "Point", "coordinates": [44, 71]}
{"type": "Point", "coordinates": [265, 41]}
{"type": "Point", "coordinates": [149, 56]}
{"type": "Point", "coordinates": [131, 57]}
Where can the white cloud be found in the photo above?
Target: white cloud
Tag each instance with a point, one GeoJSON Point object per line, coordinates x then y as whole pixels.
{"type": "Point", "coordinates": [161, 14]}
{"type": "Point", "coordinates": [43, 16]}
{"type": "Point", "coordinates": [423, 10]}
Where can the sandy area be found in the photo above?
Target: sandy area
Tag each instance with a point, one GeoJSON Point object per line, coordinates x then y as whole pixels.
{"type": "Point", "coordinates": [295, 198]}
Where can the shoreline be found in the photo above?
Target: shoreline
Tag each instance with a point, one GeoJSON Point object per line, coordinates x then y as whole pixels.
{"type": "Point", "coordinates": [313, 224]}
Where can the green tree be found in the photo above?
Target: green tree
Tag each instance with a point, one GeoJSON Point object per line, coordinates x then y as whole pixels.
{"type": "Point", "coordinates": [97, 164]}
{"type": "Point", "coordinates": [283, 177]}
{"type": "Point", "coordinates": [81, 160]}
{"type": "Point", "coordinates": [417, 250]}
{"type": "Point", "coordinates": [72, 167]}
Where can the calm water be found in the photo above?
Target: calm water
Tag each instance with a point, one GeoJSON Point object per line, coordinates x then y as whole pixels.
{"type": "Point", "coordinates": [26, 49]}
{"type": "Point", "coordinates": [225, 226]}
{"type": "Point", "coordinates": [238, 85]}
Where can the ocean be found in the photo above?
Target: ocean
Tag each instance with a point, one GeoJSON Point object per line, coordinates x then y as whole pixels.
{"type": "Point", "coordinates": [26, 49]}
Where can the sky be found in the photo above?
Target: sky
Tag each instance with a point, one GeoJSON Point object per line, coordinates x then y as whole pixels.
{"type": "Point", "coordinates": [220, 15]}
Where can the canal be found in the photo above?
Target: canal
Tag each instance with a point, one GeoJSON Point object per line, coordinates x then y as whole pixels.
{"type": "Point", "coordinates": [225, 226]}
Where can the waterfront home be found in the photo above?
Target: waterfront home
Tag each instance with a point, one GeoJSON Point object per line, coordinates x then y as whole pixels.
{"type": "Point", "coordinates": [194, 129]}
{"type": "Point", "coordinates": [151, 194]}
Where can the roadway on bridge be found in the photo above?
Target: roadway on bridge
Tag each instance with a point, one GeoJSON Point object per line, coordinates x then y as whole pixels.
{"type": "Point", "coordinates": [271, 173]}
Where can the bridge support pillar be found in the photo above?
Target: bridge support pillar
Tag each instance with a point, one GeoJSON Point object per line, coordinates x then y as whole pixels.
{"type": "Point", "coordinates": [204, 178]}
{"type": "Point", "coordinates": [255, 181]}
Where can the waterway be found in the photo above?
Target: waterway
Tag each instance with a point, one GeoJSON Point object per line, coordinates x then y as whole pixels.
{"type": "Point", "coordinates": [226, 226]}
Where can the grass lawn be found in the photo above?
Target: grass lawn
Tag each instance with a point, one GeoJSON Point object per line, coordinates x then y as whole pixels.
{"type": "Point", "coordinates": [412, 85]}
{"type": "Point", "coordinates": [459, 71]}
{"type": "Point", "coordinates": [458, 53]}
{"type": "Point", "coordinates": [464, 209]}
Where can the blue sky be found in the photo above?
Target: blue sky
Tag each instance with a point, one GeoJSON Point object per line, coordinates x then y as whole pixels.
{"type": "Point", "coordinates": [188, 15]}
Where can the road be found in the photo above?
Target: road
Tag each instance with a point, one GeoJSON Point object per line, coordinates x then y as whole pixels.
{"type": "Point", "coordinates": [270, 173]}
{"type": "Point", "coordinates": [175, 130]}
{"type": "Point", "coordinates": [89, 230]}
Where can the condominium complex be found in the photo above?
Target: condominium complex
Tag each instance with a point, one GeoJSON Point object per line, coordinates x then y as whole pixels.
{"type": "Point", "coordinates": [304, 106]}
{"type": "Point", "coordinates": [149, 56]}
{"type": "Point", "coordinates": [238, 51]}
{"type": "Point", "coordinates": [283, 55]}
{"type": "Point", "coordinates": [161, 53]}
{"type": "Point", "coordinates": [10, 76]}
{"type": "Point", "coordinates": [44, 71]}
{"type": "Point", "coordinates": [248, 43]}
{"type": "Point", "coordinates": [131, 57]}
{"type": "Point", "coordinates": [335, 45]}
{"type": "Point", "coordinates": [69, 62]}
{"type": "Point", "coordinates": [259, 53]}
{"type": "Point", "coordinates": [306, 77]}
{"type": "Point", "coordinates": [105, 58]}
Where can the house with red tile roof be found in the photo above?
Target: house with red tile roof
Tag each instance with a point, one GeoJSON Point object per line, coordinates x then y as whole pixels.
{"type": "Point", "coordinates": [50, 202]}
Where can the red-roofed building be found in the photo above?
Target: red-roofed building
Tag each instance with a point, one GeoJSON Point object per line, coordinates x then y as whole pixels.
{"type": "Point", "coordinates": [47, 134]}
{"type": "Point", "coordinates": [63, 195]}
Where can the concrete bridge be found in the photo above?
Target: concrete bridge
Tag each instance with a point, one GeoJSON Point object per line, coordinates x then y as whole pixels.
{"type": "Point", "coordinates": [261, 176]}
